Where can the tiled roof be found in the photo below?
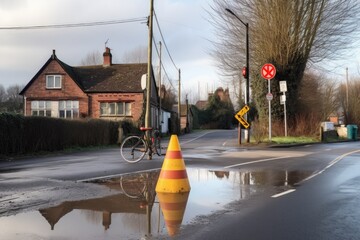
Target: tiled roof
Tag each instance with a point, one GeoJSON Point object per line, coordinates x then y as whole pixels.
{"type": "Point", "coordinates": [114, 78]}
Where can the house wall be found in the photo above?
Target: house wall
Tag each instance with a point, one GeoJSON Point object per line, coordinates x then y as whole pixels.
{"type": "Point", "coordinates": [69, 90]}
{"type": "Point", "coordinates": [165, 128]}
{"type": "Point", "coordinates": [136, 100]}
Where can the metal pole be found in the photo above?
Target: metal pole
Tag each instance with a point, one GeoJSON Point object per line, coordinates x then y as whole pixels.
{"type": "Point", "coordinates": [247, 100]}
{"type": "Point", "coordinates": [269, 87]}
{"type": "Point", "coordinates": [247, 96]}
{"type": "Point", "coordinates": [149, 67]}
{"type": "Point", "coordinates": [179, 103]}
{"type": "Point", "coordinates": [160, 115]}
{"type": "Point", "coordinates": [347, 95]}
{"type": "Point", "coordinates": [285, 117]}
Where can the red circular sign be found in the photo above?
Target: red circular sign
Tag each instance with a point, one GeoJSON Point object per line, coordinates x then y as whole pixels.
{"type": "Point", "coordinates": [268, 71]}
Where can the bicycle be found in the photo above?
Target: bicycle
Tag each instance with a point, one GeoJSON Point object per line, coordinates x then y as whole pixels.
{"type": "Point", "coordinates": [134, 148]}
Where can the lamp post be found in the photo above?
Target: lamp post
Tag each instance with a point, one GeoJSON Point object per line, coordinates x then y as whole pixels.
{"type": "Point", "coordinates": [247, 63]}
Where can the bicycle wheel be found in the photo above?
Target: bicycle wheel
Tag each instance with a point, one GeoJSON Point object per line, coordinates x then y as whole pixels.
{"type": "Point", "coordinates": [133, 186]}
{"type": "Point", "coordinates": [157, 142]}
{"type": "Point", "coordinates": [133, 149]}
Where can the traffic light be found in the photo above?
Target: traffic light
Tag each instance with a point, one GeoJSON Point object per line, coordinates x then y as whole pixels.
{"type": "Point", "coordinates": [245, 72]}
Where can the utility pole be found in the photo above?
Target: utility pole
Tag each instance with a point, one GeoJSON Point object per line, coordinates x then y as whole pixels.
{"type": "Point", "coordinates": [347, 96]}
{"type": "Point", "coordinates": [247, 72]}
{"type": "Point", "coordinates": [179, 103]}
{"type": "Point", "coordinates": [149, 67]}
{"type": "Point", "coordinates": [160, 115]}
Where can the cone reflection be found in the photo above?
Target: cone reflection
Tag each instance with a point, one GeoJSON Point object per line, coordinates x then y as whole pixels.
{"type": "Point", "coordinates": [173, 207]}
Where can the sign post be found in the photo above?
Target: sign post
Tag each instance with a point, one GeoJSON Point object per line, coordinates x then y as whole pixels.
{"type": "Point", "coordinates": [268, 71]}
{"type": "Point", "coordinates": [283, 89]}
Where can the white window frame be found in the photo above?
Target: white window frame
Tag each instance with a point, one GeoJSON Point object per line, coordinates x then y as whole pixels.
{"type": "Point", "coordinates": [122, 109]}
{"type": "Point", "coordinates": [41, 108]}
{"type": "Point", "coordinates": [68, 109]}
{"type": "Point", "coordinates": [53, 81]}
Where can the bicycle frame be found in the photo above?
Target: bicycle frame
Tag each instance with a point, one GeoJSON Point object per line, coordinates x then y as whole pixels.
{"type": "Point", "coordinates": [134, 148]}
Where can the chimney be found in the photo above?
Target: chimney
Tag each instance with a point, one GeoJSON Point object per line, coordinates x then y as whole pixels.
{"type": "Point", "coordinates": [53, 56]}
{"type": "Point", "coordinates": [107, 57]}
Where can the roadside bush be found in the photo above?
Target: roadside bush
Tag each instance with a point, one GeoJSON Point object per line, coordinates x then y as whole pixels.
{"type": "Point", "coordinates": [25, 135]}
{"type": "Point", "coordinates": [259, 130]}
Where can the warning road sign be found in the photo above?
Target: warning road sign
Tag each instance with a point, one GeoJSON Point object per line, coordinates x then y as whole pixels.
{"type": "Point", "coordinates": [239, 116]}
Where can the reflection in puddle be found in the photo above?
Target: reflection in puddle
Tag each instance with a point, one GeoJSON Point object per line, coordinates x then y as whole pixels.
{"type": "Point", "coordinates": [137, 212]}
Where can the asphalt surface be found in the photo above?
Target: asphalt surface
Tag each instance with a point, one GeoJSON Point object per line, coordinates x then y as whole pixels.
{"type": "Point", "coordinates": [323, 180]}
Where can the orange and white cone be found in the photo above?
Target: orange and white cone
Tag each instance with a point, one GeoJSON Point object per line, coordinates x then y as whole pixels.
{"type": "Point", "coordinates": [173, 176]}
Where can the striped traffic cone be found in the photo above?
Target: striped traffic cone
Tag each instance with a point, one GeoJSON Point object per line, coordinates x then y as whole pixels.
{"type": "Point", "coordinates": [173, 177]}
{"type": "Point", "coordinates": [173, 207]}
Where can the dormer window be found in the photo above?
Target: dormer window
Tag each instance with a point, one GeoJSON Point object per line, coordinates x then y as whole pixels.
{"type": "Point", "coordinates": [53, 81]}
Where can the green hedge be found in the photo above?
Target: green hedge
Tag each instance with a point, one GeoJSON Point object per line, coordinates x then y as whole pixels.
{"type": "Point", "coordinates": [24, 135]}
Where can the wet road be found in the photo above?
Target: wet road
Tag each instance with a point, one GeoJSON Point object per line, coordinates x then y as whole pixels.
{"type": "Point", "coordinates": [299, 192]}
{"type": "Point", "coordinates": [322, 206]}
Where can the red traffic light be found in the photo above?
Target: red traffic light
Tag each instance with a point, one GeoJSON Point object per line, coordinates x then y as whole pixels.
{"type": "Point", "coordinates": [245, 72]}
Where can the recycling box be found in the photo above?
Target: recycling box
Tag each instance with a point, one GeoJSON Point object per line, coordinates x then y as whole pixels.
{"type": "Point", "coordinates": [352, 131]}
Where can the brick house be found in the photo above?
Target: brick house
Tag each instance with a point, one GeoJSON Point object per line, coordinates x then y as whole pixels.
{"type": "Point", "coordinates": [108, 91]}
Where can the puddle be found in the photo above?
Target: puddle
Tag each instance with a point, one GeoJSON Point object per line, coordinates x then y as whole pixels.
{"type": "Point", "coordinates": [137, 212]}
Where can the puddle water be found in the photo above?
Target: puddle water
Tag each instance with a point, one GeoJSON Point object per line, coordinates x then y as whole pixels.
{"type": "Point", "coordinates": [137, 212]}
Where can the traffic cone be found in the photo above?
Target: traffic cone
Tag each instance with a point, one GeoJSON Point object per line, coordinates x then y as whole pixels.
{"type": "Point", "coordinates": [173, 176]}
{"type": "Point", "coordinates": [173, 207]}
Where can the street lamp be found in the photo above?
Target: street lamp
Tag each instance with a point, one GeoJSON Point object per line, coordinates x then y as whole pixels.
{"type": "Point", "coordinates": [247, 61]}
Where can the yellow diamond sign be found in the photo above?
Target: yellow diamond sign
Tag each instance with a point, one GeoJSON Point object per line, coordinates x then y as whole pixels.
{"type": "Point", "coordinates": [240, 114]}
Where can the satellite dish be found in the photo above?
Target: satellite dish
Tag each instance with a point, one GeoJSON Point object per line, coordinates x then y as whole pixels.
{"type": "Point", "coordinates": [143, 81]}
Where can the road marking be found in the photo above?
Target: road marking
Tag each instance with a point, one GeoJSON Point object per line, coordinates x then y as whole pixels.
{"type": "Point", "coordinates": [191, 140]}
{"type": "Point", "coordinates": [283, 193]}
{"type": "Point", "coordinates": [332, 163]}
{"type": "Point", "coordinates": [116, 175]}
{"type": "Point", "coordinates": [257, 161]}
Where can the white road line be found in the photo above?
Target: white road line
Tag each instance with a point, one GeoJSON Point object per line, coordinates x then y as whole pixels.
{"type": "Point", "coordinates": [332, 163]}
{"type": "Point", "coordinates": [191, 140]}
{"type": "Point", "coordinates": [256, 161]}
{"type": "Point", "coordinates": [116, 175]}
{"type": "Point", "coordinates": [283, 193]}
{"type": "Point", "coordinates": [82, 159]}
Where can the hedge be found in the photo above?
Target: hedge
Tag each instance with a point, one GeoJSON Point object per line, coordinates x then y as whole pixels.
{"type": "Point", "coordinates": [26, 135]}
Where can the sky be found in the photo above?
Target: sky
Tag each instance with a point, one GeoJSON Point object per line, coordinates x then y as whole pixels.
{"type": "Point", "coordinates": [183, 24]}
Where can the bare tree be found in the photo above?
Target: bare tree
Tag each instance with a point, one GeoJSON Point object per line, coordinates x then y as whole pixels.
{"type": "Point", "coordinates": [14, 102]}
{"type": "Point", "coordinates": [2, 94]}
{"type": "Point", "coordinates": [350, 104]}
{"type": "Point", "coordinates": [318, 96]}
{"type": "Point", "coordinates": [289, 34]}
{"type": "Point", "coordinates": [168, 97]}
{"type": "Point", "coordinates": [92, 58]}
{"type": "Point", "coordinates": [137, 55]}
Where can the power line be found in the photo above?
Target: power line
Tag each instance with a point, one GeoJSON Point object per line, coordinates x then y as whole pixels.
{"type": "Point", "coordinates": [73, 25]}
{"type": "Point", "coordinates": [162, 37]}
{"type": "Point", "coordinates": [162, 65]}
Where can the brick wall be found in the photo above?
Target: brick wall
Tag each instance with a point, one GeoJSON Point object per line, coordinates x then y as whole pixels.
{"type": "Point", "coordinates": [136, 100]}
{"type": "Point", "coordinates": [69, 90]}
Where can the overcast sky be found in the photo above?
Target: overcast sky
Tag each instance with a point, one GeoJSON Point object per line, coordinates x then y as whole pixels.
{"type": "Point", "coordinates": [183, 23]}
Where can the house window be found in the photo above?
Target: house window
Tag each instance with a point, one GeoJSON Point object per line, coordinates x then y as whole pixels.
{"type": "Point", "coordinates": [41, 108]}
{"type": "Point", "coordinates": [115, 109]}
{"type": "Point", "coordinates": [68, 109]}
{"type": "Point", "coordinates": [53, 81]}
